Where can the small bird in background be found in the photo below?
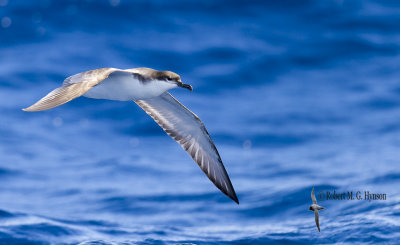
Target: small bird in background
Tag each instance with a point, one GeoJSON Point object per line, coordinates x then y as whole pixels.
{"type": "Point", "coordinates": [148, 88]}
{"type": "Point", "coordinates": [314, 207]}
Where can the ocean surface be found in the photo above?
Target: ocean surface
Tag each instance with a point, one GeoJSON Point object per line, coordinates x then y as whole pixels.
{"type": "Point", "coordinates": [295, 95]}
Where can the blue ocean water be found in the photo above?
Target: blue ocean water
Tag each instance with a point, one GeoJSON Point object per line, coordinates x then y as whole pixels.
{"type": "Point", "coordinates": [295, 94]}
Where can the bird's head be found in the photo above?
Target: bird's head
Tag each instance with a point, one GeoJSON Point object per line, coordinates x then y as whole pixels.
{"type": "Point", "coordinates": [311, 208]}
{"type": "Point", "coordinates": [173, 78]}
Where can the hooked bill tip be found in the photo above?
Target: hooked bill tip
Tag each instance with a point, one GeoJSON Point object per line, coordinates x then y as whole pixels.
{"type": "Point", "coordinates": [187, 86]}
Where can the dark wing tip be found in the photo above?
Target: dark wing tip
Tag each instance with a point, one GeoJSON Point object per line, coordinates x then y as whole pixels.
{"type": "Point", "coordinates": [228, 190]}
{"type": "Point", "coordinates": [234, 197]}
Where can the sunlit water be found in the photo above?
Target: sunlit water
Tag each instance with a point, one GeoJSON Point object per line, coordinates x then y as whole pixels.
{"type": "Point", "coordinates": [295, 94]}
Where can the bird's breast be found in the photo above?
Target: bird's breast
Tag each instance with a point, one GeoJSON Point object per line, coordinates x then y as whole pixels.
{"type": "Point", "coordinates": [124, 86]}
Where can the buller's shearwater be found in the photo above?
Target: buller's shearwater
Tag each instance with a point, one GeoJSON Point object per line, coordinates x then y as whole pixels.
{"type": "Point", "coordinates": [148, 88]}
{"type": "Point", "coordinates": [314, 207]}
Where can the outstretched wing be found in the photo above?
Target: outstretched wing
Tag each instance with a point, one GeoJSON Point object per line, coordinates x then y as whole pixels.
{"type": "Point", "coordinates": [188, 130]}
{"type": "Point", "coordinates": [317, 219]}
{"type": "Point", "coordinates": [314, 200]}
{"type": "Point", "coordinates": [72, 87]}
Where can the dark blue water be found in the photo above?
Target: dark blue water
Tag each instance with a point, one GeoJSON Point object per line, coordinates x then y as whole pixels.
{"type": "Point", "coordinates": [295, 94]}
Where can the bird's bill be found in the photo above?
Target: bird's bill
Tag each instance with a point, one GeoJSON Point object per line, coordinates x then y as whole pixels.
{"type": "Point", "coordinates": [187, 86]}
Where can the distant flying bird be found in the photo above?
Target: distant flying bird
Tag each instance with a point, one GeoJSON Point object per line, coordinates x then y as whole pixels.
{"type": "Point", "coordinates": [148, 89]}
{"type": "Point", "coordinates": [314, 207]}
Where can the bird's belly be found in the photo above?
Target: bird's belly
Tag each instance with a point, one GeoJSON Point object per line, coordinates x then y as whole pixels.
{"type": "Point", "coordinates": [122, 88]}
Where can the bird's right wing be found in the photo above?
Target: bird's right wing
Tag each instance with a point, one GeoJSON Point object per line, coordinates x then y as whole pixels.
{"type": "Point", "coordinates": [314, 200]}
{"type": "Point", "coordinates": [317, 219]}
{"type": "Point", "coordinates": [187, 129]}
{"type": "Point", "coordinates": [72, 87]}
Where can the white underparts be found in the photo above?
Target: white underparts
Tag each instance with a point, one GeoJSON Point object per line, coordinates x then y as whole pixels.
{"type": "Point", "coordinates": [124, 87]}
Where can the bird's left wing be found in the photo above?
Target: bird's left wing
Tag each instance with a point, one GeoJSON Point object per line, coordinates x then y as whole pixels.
{"type": "Point", "coordinates": [314, 200]}
{"type": "Point", "coordinates": [188, 130]}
